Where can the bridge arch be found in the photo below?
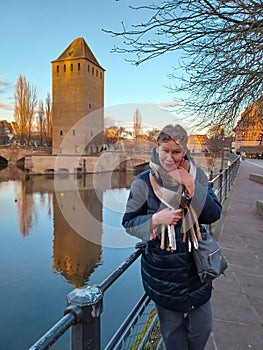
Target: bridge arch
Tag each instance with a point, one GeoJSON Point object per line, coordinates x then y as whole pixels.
{"type": "Point", "coordinates": [15, 155]}
{"type": "Point", "coordinates": [3, 161]}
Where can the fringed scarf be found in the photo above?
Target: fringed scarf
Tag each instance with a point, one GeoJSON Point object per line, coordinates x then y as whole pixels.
{"type": "Point", "coordinates": [172, 195]}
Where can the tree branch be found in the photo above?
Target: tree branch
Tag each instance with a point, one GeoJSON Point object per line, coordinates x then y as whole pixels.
{"type": "Point", "coordinates": [222, 50]}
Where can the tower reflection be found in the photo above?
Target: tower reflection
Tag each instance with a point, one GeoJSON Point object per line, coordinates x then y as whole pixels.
{"type": "Point", "coordinates": [74, 257]}
{"type": "Point", "coordinates": [77, 228]}
{"type": "Point", "coordinates": [77, 218]}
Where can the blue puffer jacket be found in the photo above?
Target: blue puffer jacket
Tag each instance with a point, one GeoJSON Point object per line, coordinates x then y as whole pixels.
{"type": "Point", "coordinates": [170, 279]}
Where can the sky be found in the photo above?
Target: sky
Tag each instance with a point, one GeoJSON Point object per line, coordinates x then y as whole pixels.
{"type": "Point", "coordinates": [36, 32]}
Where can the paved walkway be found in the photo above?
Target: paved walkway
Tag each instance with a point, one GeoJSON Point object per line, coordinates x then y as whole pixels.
{"type": "Point", "coordinates": [238, 297]}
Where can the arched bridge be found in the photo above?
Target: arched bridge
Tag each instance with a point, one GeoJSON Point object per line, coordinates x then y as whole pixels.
{"type": "Point", "coordinates": [38, 160]}
{"type": "Point", "coordinates": [13, 154]}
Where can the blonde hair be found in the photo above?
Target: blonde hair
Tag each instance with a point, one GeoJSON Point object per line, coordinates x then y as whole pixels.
{"type": "Point", "coordinates": [176, 133]}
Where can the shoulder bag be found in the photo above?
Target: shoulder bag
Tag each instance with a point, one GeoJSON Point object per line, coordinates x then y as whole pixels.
{"type": "Point", "coordinates": [209, 261]}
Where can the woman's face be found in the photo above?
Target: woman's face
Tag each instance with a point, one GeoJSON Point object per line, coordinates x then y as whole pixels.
{"type": "Point", "coordinates": [171, 155]}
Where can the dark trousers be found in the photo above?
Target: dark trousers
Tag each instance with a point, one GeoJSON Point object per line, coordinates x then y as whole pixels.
{"type": "Point", "coordinates": [185, 331]}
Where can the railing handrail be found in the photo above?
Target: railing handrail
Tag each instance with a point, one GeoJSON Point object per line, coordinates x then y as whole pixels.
{"type": "Point", "coordinates": [103, 286]}
{"type": "Point", "coordinates": [54, 333]}
{"type": "Point", "coordinates": [84, 304]}
{"type": "Point", "coordinates": [225, 178]}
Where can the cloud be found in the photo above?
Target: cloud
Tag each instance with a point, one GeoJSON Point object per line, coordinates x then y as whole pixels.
{"type": "Point", "coordinates": [4, 85]}
{"type": "Point", "coordinates": [165, 104]}
{"type": "Point", "coordinates": [109, 122]}
{"type": "Point", "coordinates": [6, 106]}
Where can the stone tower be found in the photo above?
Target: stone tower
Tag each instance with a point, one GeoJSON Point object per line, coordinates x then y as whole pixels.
{"type": "Point", "coordinates": [77, 91]}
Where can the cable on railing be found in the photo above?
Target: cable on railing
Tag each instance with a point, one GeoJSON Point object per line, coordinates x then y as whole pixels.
{"type": "Point", "coordinates": [125, 329]}
{"type": "Point", "coordinates": [147, 334]}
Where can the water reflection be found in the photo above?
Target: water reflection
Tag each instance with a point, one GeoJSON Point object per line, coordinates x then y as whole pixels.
{"type": "Point", "coordinates": [42, 252]}
{"type": "Point", "coordinates": [75, 256]}
{"type": "Point", "coordinates": [11, 173]}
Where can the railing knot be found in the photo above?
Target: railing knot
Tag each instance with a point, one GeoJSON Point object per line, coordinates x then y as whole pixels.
{"type": "Point", "coordinates": [85, 303]}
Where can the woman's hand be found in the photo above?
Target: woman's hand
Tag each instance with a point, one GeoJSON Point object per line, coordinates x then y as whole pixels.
{"type": "Point", "coordinates": [166, 217]}
{"type": "Point", "coordinates": [182, 176]}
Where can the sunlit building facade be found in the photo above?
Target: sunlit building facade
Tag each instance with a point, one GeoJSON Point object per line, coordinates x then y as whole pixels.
{"type": "Point", "coordinates": [249, 130]}
{"type": "Point", "coordinates": [197, 143]}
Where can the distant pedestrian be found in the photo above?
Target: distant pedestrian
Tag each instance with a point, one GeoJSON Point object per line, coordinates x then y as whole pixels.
{"type": "Point", "coordinates": [166, 205]}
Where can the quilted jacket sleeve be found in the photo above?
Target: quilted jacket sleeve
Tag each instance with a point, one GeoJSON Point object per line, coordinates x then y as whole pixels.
{"type": "Point", "coordinates": [137, 219]}
{"type": "Point", "coordinates": [204, 201]}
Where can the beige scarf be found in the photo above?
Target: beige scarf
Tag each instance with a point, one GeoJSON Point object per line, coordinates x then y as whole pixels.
{"type": "Point", "coordinates": [173, 197]}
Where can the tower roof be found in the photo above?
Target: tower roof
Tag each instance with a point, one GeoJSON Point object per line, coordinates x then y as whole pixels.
{"type": "Point", "coordinates": [76, 50]}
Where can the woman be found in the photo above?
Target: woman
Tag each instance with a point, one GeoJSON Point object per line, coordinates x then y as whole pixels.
{"type": "Point", "coordinates": [166, 207]}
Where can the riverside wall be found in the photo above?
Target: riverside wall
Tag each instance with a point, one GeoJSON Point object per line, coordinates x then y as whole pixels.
{"type": "Point", "coordinates": [105, 162]}
{"type": "Point", "coordinates": [36, 163]}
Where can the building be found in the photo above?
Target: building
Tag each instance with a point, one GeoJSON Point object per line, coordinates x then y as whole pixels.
{"type": "Point", "coordinates": [249, 130]}
{"type": "Point", "coordinates": [78, 101]}
{"type": "Point", "coordinates": [7, 132]}
{"type": "Point", "coordinates": [197, 143]}
{"type": "Point", "coordinates": [3, 133]}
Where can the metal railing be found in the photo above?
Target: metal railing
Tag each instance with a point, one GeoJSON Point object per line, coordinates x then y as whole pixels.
{"type": "Point", "coordinates": [85, 304]}
{"type": "Point", "coordinates": [83, 314]}
{"type": "Point", "coordinates": [223, 181]}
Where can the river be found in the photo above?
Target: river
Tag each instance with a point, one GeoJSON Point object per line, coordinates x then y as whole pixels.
{"type": "Point", "coordinates": [56, 236]}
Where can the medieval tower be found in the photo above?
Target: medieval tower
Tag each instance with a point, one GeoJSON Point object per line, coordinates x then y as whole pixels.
{"type": "Point", "coordinates": [77, 92]}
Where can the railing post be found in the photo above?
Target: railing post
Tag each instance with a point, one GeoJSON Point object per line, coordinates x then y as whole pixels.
{"type": "Point", "coordinates": [85, 334]}
{"type": "Point", "coordinates": [226, 183]}
{"type": "Point", "coordinates": [220, 185]}
{"type": "Point", "coordinates": [229, 178]}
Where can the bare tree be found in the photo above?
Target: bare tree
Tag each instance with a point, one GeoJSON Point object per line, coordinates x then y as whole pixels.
{"type": "Point", "coordinates": [48, 115]}
{"type": "Point", "coordinates": [41, 121]}
{"type": "Point", "coordinates": [25, 103]}
{"type": "Point", "coordinates": [221, 48]}
{"type": "Point", "coordinates": [216, 136]}
{"type": "Point", "coordinates": [21, 107]}
{"type": "Point", "coordinates": [137, 123]}
{"type": "Point", "coordinates": [31, 106]}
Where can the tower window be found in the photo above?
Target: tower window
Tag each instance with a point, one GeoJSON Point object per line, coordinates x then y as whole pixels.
{"type": "Point", "coordinates": [92, 70]}
{"type": "Point", "coordinates": [78, 66]}
{"type": "Point", "coordinates": [100, 75]}
{"type": "Point", "coordinates": [71, 67]}
{"type": "Point", "coordinates": [96, 72]}
{"type": "Point", "coordinates": [64, 68]}
{"type": "Point", "coordinates": [61, 132]}
{"type": "Point", "coordinates": [88, 67]}
{"type": "Point", "coordinates": [57, 68]}
{"type": "Point", "coordinates": [73, 132]}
